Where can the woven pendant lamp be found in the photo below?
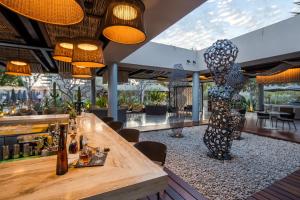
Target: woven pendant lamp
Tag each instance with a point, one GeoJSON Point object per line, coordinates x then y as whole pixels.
{"type": "Point", "coordinates": [18, 67]}
{"type": "Point", "coordinates": [81, 72]}
{"type": "Point", "coordinates": [63, 50]}
{"type": "Point", "coordinates": [60, 12]}
{"type": "Point", "coordinates": [124, 22]}
{"type": "Point", "coordinates": [88, 53]}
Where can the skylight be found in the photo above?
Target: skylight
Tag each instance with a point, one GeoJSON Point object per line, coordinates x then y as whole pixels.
{"type": "Point", "coordinates": [220, 19]}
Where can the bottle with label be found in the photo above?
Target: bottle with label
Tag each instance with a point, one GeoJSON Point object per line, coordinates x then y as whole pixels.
{"type": "Point", "coordinates": [62, 157]}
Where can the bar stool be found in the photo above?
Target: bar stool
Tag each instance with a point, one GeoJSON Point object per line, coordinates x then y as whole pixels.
{"type": "Point", "coordinates": [115, 125]}
{"type": "Point", "coordinates": [107, 119]}
{"type": "Point", "coordinates": [155, 151]}
{"type": "Point", "coordinates": [131, 135]}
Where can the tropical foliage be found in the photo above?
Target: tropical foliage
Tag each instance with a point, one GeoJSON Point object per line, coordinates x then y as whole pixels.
{"type": "Point", "coordinates": [101, 102]}
{"type": "Point", "coordinates": [156, 97]}
{"type": "Point", "coordinates": [8, 80]}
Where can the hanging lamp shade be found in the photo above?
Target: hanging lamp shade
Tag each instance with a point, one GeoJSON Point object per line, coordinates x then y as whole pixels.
{"type": "Point", "coordinates": [60, 12]}
{"type": "Point", "coordinates": [63, 50]}
{"type": "Point", "coordinates": [18, 68]}
{"type": "Point", "coordinates": [124, 22]}
{"type": "Point", "coordinates": [88, 53]}
{"type": "Point", "coordinates": [81, 72]}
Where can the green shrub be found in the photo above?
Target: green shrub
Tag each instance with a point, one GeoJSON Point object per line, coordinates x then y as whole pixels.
{"type": "Point", "coordinates": [157, 97]}
{"type": "Point", "coordinates": [101, 102]}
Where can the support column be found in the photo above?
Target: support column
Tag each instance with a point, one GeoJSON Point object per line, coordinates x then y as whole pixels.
{"type": "Point", "coordinates": [113, 91]}
{"type": "Point", "coordinates": [93, 92]}
{"type": "Point", "coordinates": [201, 98]}
{"type": "Point", "coordinates": [195, 113]}
{"type": "Point", "coordinates": [260, 97]}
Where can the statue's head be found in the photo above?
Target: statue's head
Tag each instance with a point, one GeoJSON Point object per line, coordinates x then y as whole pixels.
{"type": "Point", "coordinates": [220, 58]}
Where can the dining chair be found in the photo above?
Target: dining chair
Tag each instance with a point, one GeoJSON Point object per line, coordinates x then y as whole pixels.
{"type": "Point", "coordinates": [262, 117]}
{"type": "Point", "coordinates": [131, 135]}
{"type": "Point", "coordinates": [107, 119]}
{"type": "Point", "coordinates": [289, 118]}
{"type": "Point", "coordinates": [115, 125]}
{"type": "Point", "coordinates": [155, 151]}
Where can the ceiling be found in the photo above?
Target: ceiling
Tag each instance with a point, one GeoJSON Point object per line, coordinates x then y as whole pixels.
{"type": "Point", "coordinates": [26, 38]}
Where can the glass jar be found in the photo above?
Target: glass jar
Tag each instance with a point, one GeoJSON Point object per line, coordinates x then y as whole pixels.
{"type": "Point", "coordinates": [26, 150]}
{"type": "Point", "coordinates": [16, 151]}
{"type": "Point", "coordinates": [5, 152]}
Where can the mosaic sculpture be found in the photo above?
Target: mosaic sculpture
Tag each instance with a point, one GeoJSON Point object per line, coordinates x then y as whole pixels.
{"type": "Point", "coordinates": [239, 118]}
{"type": "Point", "coordinates": [229, 80]}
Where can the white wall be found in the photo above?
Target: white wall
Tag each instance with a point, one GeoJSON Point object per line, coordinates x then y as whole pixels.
{"type": "Point", "coordinates": [274, 40]}
{"type": "Point", "coordinates": [163, 56]}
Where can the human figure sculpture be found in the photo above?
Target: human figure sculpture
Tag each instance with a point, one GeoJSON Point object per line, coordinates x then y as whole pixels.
{"type": "Point", "coordinates": [229, 80]}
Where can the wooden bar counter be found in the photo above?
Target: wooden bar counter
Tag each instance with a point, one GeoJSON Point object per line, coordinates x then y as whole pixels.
{"type": "Point", "coordinates": [126, 175]}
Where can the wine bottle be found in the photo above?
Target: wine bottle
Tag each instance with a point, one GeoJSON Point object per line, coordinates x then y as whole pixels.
{"type": "Point", "coordinates": [62, 157]}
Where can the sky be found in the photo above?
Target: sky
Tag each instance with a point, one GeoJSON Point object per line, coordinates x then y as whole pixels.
{"type": "Point", "coordinates": [225, 19]}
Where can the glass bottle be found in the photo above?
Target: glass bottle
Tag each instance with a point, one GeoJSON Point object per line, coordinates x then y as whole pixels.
{"type": "Point", "coordinates": [62, 157]}
{"type": "Point", "coordinates": [73, 146]}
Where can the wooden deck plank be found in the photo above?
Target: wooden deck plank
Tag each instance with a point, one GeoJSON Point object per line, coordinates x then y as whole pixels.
{"type": "Point", "coordinates": [286, 134]}
{"type": "Point", "coordinates": [294, 177]}
{"type": "Point", "coordinates": [276, 193]}
{"type": "Point", "coordinates": [268, 195]}
{"type": "Point", "coordinates": [180, 190]}
{"type": "Point", "coordinates": [291, 181]}
{"type": "Point", "coordinates": [185, 185]}
{"type": "Point", "coordinates": [283, 192]}
{"type": "Point", "coordinates": [286, 188]}
{"type": "Point", "coordinates": [251, 198]}
{"type": "Point", "coordinates": [258, 196]}
{"type": "Point", "coordinates": [173, 194]}
{"type": "Point", "coordinates": [289, 188]}
{"type": "Point", "coordinates": [177, 189]}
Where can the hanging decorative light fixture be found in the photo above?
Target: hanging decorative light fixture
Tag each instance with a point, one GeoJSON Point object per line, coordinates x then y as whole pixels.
{"type": "Point", "coordinates": [88, 53]}
{"type": "Point", "coordinates": [81, 72]}
{"type": "Point", "coordinates": [60, 12]}
{"type": "Point", "coordinates": [18, 67]}
{"type": "Point", "coordinates": [124, 22]}
{"type": "Point", "coordinates": [63, 50]}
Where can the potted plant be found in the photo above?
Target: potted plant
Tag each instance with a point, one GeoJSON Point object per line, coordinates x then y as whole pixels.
{"type": "Point", "coordinates": [156, 103]}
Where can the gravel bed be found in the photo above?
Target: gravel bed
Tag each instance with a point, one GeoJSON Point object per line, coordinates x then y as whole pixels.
{"type": "Point", "coordinates": [257, 162]}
